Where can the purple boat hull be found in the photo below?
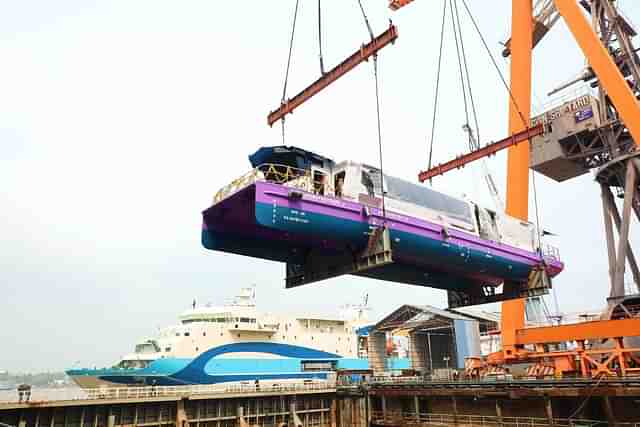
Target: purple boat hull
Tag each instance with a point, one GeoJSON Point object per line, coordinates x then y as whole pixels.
{"type": "Point", "coordinates": [264, 221]}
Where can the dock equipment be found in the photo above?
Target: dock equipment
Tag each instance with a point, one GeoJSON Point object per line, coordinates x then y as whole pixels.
{"type": "Point", "coordinates": [602, 134]}
{"type": "Point", "coordinates": [361, 55]}
{"type": "Point", "coordinates": [587, 133]}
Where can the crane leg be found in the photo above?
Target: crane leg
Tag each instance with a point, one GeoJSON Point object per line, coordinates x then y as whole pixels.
{"type": "Point", "coordinates": [517, 203]}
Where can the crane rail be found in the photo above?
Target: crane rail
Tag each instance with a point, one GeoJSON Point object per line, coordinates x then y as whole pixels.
{"type": "Point", "coordinates": [486, 151]}
{"type": "Point", "coordinates": [361, 55]}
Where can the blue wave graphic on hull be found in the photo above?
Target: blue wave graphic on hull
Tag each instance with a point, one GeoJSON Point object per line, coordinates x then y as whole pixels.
{"type": "Point", "coordinates": [195, 372]}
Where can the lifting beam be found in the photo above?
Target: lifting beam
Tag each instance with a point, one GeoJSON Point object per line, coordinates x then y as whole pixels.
{"type": "Point", "coordinates": [363, 54]}
{"type": "Point", "coordinates": [486, 151]}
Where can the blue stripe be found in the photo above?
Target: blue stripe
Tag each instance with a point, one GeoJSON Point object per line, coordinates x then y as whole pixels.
{"type": "Point", "coordinates": [195, 372]}
{"type": "Point", "coordinates": [404, 243]}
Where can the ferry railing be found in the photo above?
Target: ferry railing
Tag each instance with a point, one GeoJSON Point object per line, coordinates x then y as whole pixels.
{"type": "Point", "coordinates": [550, 252]}
{"type": "Point", "coordinates": [427, 419]}
{"type": "Point", "coordinates": [301, 179]}
{"type": "Point", "coordinates": [505, 381]}
{"type": "Point", "coordinates": [39, 395]}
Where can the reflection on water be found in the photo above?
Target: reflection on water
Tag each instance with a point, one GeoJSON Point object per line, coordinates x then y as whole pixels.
{"type": "Point", "coordinates": [68, 392]}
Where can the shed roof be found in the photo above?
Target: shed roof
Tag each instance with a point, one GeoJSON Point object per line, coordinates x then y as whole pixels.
{"type": "Point", "coordinates": [418, 317]}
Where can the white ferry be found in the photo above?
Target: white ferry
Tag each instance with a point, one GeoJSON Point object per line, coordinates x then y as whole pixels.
{"type": "Point", "coordinates": [236, 343]}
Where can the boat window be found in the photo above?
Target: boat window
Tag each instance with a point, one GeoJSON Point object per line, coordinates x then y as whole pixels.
{"type": "Point", "coordinates": [423, 196]}
{"type": "Point", "coordinates": [319, 182]}
{"type": "Point", "coordinates": [368, 183]}
{"type": "Point", "coordinates": [245, 320]}
{"type": "Point", "coordinates": [147, 347]}
{"type": "Point", "coordinates": [186, 334]}
{"type": "Point", "coordinates": [167, 349]}
{"type": "Point", "coordinates": [338, 183]}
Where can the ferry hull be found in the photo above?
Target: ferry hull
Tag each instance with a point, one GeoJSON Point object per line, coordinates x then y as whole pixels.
{"type": "Point", "coordinates": [282, 363]}
{"type": "Point", "coordinates": [269, 221]}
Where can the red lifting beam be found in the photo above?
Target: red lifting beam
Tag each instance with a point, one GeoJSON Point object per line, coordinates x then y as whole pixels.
{"type": "Point", "coordinates": [343, 68]}
{"type": "Point", "coordinates": [486, 151]}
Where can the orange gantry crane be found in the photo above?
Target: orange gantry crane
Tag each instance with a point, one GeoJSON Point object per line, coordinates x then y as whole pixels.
{"type": "Point", "coordinates": [520, 344]}
{"type": "Point", "coordinates": [616, 359]}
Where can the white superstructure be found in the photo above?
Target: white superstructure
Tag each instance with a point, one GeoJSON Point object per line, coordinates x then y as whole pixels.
{"type": "Point", "coordinates": [203, 328]}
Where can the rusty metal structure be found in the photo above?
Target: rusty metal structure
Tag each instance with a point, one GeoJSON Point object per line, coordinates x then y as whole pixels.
{"type": "Point", "coordinates": [361, 55]}
{"type": "Point", "coordinates": [483, 152]}
{"type": "Point", "coordinates": [608, 146]}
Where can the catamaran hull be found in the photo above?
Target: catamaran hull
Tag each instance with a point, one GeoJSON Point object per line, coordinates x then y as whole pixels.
{"type": "Point", "coordinates": [279, 223]}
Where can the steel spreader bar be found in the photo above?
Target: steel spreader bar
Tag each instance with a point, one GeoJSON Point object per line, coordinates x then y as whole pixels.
{"type": "Point", "coordinates": [363, 54]}
{"type": "Point", "coordinates": [486, 151]}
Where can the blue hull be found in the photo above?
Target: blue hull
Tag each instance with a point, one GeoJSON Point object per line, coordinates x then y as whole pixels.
{"type": "Point", "coordinates": [208, 368]}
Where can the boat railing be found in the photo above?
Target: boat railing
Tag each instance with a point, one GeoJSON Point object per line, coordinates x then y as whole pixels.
{"type": "Point", "coordinates": [289, 176]}
{"type": "Point", "coordinates": [39, 395]}
{"type": "Point", "coordinates": [550, 253]}
{"type": "Point", "coordinates": [395, 417]}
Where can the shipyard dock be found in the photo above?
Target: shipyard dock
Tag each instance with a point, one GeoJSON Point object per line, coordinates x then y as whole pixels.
{"type": "Point", "coordinates": [376, 402]}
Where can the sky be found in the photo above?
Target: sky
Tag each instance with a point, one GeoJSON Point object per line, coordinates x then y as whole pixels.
{"type": "Point", "coordinates": [119, 120]}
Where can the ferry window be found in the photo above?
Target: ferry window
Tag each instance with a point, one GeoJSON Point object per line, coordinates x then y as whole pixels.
{"type": "Point", "coordinates": [245, 320]}
{"type": "Point", "coordinates": [368, 183]}
{"type": "Point", "coordinates": [338, 184]}
{"type": "Point", "coordinates": [423, 196]}
{"type": "Point", "coordinates": [177, 334]}
{"type": "Point", "coordinates": [167, 349]}
{"type": "Point", "coordinates": [204, 334]}
{"type": "Point", "coordinates": [319, 182]}
{"type": "Point", "coordinates": [196, 348]}
{"type": "Point", "coordinates": [186, 334]}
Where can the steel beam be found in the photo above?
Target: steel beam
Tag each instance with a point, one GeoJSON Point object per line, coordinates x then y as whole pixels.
{"type": "Point", "coordinates": [630, 254]}
{"type": "Point", "coordinates": [486, 151]}
{"type": "Point", "coordinates": [604, 66]}
{"type": "Point", "coordinates": [623, 237]}
{"type": "Point", "coordinates": [597, 329]}
{"type": "Point", "coordinates": [363, 54]}
{"type": "Point", "coordinates": [608, 209]}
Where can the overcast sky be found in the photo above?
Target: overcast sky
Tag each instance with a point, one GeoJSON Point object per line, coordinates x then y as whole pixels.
{"type": "Point", "coordinates": [119, 120]}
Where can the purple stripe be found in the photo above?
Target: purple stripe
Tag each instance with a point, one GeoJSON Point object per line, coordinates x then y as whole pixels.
{"type": "Point", "coordinates": [274, 193]}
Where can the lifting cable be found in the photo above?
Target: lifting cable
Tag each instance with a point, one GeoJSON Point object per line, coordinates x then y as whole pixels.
{"type": "Point", "coordinates": [375, 74]}
{"type": "Point", "coordinates": [460, 60]}
{"type": "Point", "coordinates": [474, 143]}
{"type": "Point", "coordinates": [320, 37]}
{"type": "Point", "coordinates": [286, 76]}
{"type": "Point", "coordinates": [437, 92]}
{"type": "Point", "coordinates": [525, 122]}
